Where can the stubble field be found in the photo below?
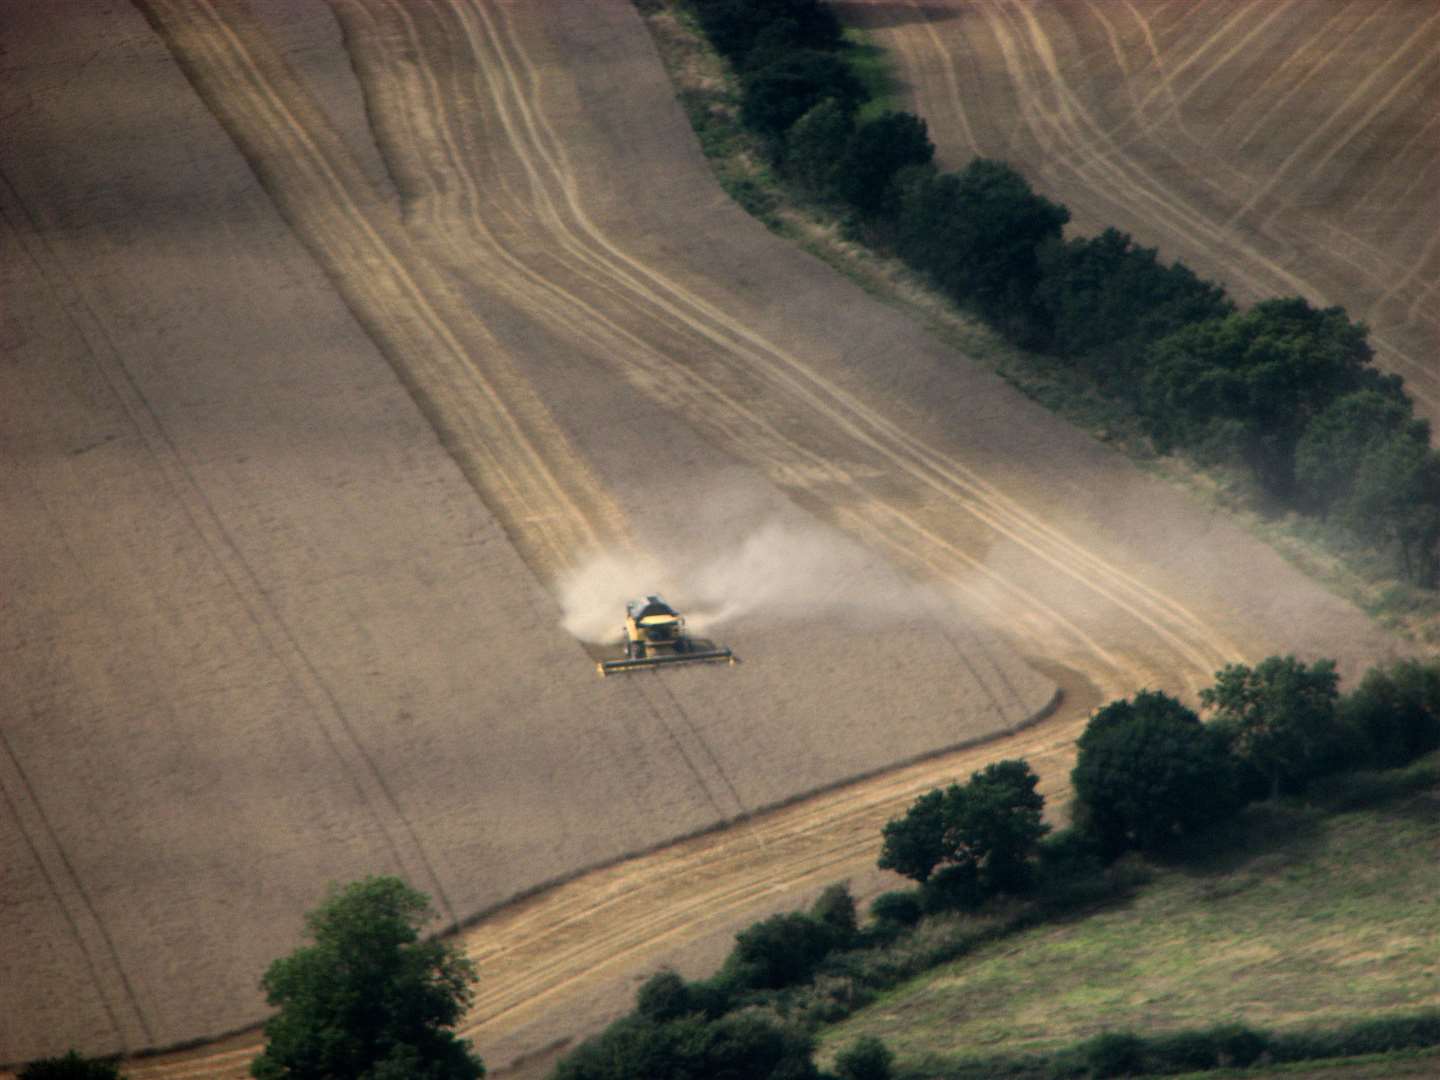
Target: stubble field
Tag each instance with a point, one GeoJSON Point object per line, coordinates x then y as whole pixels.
{"type": "Point", "coordinates": [1283, 147]}
{"type": "Point", "coordinates": [340, 339]}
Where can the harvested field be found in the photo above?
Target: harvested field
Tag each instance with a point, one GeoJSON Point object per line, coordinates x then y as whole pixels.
{"type": "Point", "coordinates": [320, 388]}
{"type": "Point", "coordinates": [1282, 147]}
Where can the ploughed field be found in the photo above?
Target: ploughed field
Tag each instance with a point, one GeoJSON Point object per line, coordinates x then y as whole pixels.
{"type": "Point", "coordinates": [339, 340]}
{"type": "Point", "coordinates": [1279, 147]}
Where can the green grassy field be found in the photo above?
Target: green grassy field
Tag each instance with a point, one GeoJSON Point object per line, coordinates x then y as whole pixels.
{"type": "Point", "coordinates": [1326, 918]}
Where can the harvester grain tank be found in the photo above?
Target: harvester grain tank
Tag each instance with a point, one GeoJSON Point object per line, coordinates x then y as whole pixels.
{"type": "Point", "coordinates": [655, 635]}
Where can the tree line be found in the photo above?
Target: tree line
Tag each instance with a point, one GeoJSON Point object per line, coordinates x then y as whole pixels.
{"type": "Point", "coordinates": [1149, 774]}
{"type": "Point", "coordinates": [1283, 393]}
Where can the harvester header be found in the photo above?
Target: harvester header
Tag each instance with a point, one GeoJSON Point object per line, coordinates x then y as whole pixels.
{"type": "Point", "coordinates": [655, 635]}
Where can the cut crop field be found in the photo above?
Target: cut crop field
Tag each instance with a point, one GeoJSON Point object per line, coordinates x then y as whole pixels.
{"type": "Point", "coordinates": [351, 348]}
{"type": "Point", "coordinates": [1279, 147]}
{"type": "Point", "coordinates": [1323, 921]}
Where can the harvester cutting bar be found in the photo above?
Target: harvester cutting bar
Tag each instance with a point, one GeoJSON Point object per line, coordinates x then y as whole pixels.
{"type": "Point", "coordinates": [605, 667]}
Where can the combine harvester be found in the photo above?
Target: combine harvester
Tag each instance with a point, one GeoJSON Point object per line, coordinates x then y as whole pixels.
{"type": "Point", "coordinates": [655, 635]}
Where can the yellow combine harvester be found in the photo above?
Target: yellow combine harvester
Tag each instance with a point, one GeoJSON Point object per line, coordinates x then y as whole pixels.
{"type": "Point", "coordinates": [655, 635]}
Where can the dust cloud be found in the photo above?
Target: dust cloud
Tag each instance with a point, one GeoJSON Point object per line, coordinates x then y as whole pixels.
{"type": "Point", "coordinates": [783, 570]}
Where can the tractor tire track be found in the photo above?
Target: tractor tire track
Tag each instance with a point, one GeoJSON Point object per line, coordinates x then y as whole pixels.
{"type": "Point", "coordinates": [739, 356]}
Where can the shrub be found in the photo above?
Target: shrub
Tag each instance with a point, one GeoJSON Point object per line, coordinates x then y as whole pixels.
{"type": "Point", "coordinates": [1114, 1054]}
{"type": "Point", "coordinates": [780, 951]}
{"type": "Point", "coordinates": [867, 1058]}
{"type": "Point", "coordinates": [664, 996]}
{"type": "Point", "coordinates": [835, 908]}
{"type": "Point", "coordinates": [72, 1066]}
{"type": "Point", "coordinates": [902, 907]}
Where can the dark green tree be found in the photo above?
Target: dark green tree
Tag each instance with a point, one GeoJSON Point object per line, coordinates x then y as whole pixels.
{"type": "Point", "coordinates": [72, 1066]}
{"type": "Point", "coordinates": [878, 150]}
{"type": "Point", "coordinates": [1148, 770]}
{"type": "Point", "coordinates": [815, 147]}
{"type": "Point", "coordinates": [1249, 384]}
{"type": "Point", "coordinates": [1104, 300]}
{"type": "Point", "coordinates": [368, 999]}
{"type": "Point", "coordinates": [977, 233]}
{"type": "Point", "coordinates": [664, 996]}
{"type": "Point", "coordinates": [783, 950]}
{"type": "Point", "coordinates": [994, 824]}
{"type": "Point", "coordinates": [1329, 454]}
{"type": "Point", "coordinates": [835, 908]}
{"type": "Point", "coordinates": [736, 27]}
{"type": "Point", "coordinates": [984, 832]}
{"type": "Point", "coordinates": [775, 96]}
{"type": "Point", "coordinates": [1394, 503]}
{"type": "Point", "coordinates": [915, 844]}
{"type": "Point", "coordinates": [1280, 719]}
{"type": "Point", "coordinates": [1396, 711]}
{"type": "Point", "coordinates": [867, 1058]}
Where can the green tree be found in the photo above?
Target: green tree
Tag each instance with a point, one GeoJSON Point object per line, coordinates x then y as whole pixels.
{"type": "Point", "coordinates": [778, 94]}
{"type": "Point", "coordinates": [867, 1058]}
{"type": "Point", "coordinates": [977, 233]}
{"type": "Point", "coordinates": [1280, 718]}
{"type": "Point", "coordinates": [368, 999]}
{"type": "Point", "coordinates": [915, 844]}
{"type": "Point", "coordinates": [984, 832]}
{"type": "Point", "coordinates": [1147, 770]}
{"type": "Point", "coordinates": [816, 145]}
{"type": "Point", "coordinates": [1396, 710]}
{"type": "Point", "coordinates": [1104, 300]}
{"type": "Point", "coordinates": [664, 996]}
{"type": "Point", "coordinates": [1252, 382]}
{"type": "Point", "coordinates": [736, 27]}
{"type": "Point", "coordinates": [783, 950]}
{"type": "Point", "coordinates": [1334, 444]}
{"type": "Point", "coordinates": [71, 1067]}
{"type": "Point", "coordinates": [1394, 503]}
{"type": "Point", "coordinates": [878, 150]}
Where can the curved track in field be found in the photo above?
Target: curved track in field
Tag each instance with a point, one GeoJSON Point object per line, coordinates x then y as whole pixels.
{"type": "Point", "coordinates": [562, 274]}
{"type": "Point", "coordinates": [1289, 147]}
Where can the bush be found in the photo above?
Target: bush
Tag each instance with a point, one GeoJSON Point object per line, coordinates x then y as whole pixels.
{"type": "Point", "coordinates": [691, 1047]}
{"type": "Point", "coordinates": [902, 907]}
{"type": "Point", "coordinates": [867, 1058]}
{"type": "Point", "coordinates": [664, 996]}
{"type": "Point", "coordinates": [1114, 1054]}
{"type": "Point", "coordinates": [780, 951]}
{"type": "Point", "coordinates": [835, 908]}
{"type": "Point", "coordinates": [71, 1067]}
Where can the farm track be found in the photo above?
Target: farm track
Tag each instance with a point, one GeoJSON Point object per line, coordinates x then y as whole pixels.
{"type": "Point", "coordinates": [1279, 148]}
{"type": "Point", "coordinates": [550, 952]}
{"type": "Point", "coordinates": [495, 204]}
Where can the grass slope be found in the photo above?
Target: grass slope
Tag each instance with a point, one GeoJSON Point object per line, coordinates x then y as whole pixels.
{"type": "Point", "coordinates": [1323, 919]}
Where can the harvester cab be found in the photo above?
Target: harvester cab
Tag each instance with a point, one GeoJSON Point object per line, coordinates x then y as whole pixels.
{"type": "Point", "coordinates": [655, 634]}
